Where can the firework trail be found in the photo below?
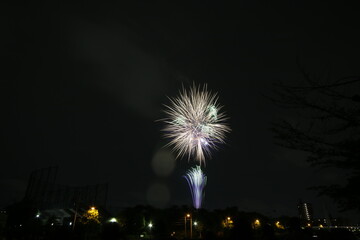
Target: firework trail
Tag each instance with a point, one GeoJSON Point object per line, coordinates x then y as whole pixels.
{"type": "Point", "coordinates": [194, 123]}
{"type": "Point", "coordinates": [197, 182]}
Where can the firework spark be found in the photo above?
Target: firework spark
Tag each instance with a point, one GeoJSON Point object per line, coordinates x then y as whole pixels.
{"type": "Point", "coordinates": [197, 181]}
{"type": "Point", "coordinates": [194, 123]}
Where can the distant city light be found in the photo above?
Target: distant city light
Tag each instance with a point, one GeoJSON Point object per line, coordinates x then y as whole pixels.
{"type": "Point", "coordinates": [228, 223]}
{"type": "Point", "coordinates": [113, 220]}
{"type": "Point", "coordinates": [279, 225]}
{"type": "Point", "coordinates": [195, 223]}
{"type": "Point", "coordinates": [257, 223]}
{"type": "Point", "coordinates": [150, 225]}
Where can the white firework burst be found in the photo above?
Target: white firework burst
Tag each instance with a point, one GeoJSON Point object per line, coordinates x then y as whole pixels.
{"type": "Point", "coordinates": [194, 123]}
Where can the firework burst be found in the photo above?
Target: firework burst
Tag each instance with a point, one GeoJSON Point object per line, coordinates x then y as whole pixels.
{"type": "Point", "coordinates": [194, 123]}
{"type": "Point", "coordinates": [197, 182]}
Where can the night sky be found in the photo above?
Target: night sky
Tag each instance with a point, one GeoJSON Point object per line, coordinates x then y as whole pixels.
{"type": "Point", "coordinates": [83, 86]}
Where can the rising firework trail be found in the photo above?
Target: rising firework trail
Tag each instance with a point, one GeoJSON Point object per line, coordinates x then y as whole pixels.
{"type": "Point", "coordinates": [194, 123]}
{"type": "Point", "coordinates": [197, 182]}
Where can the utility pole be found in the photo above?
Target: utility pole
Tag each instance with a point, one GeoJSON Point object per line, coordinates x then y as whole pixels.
{"type": "Point", "coordinates": [191, 227]}
{"type": "Point", "coordinates": [185, 225]}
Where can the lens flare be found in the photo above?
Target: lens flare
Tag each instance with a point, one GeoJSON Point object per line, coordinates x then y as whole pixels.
{"type": "Point", "coordinates": [197, 182]}
{"type": "Point", "coordinates": [194, 123]}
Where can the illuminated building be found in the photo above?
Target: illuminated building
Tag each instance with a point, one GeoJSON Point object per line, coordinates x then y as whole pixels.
{"type": "Point", "coordinates": [305, 213]}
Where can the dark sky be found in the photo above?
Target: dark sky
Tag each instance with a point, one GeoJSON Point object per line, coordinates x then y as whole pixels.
{"type": "Point", "coordinates": [83, 86]}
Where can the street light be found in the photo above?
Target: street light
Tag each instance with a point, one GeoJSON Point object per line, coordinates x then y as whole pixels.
{"type": "Point", "coordinates": [190, 218]}
{"type": "Point", "coordinates": [150, 225]}
{"type": "Point", "coordinates": [197, 228]}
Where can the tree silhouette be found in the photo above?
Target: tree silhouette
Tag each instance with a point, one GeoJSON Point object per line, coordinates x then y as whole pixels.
{"type": "Point", "coordinates": [328, 130]}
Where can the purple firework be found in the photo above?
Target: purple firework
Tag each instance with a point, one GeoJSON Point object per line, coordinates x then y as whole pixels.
{"type": "Point", "coordinates": [197, 182]}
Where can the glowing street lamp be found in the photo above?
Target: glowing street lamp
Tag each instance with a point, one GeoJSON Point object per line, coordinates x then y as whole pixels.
{"type": "Point", "coordinates": [188, 216]}
{"type": "Point", "coordinates": [150, 226]}
{"type": "Point", "coordinates": [197, 228]}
